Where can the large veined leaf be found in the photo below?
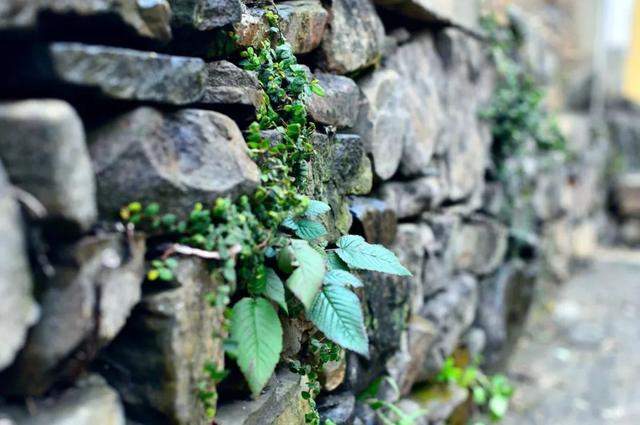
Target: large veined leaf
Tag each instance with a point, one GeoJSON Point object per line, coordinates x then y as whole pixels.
{"type": "Point", "coordinates": [335, 263]}
{"type": "Point", "coordinates": [306, 278]}
{"type": "Point", "coordinates": [359, 254]}
{"type": "Point", "coordinates": [342, 277]}
{"type": "Point", "coordinates": [309, 229]}
{"type": "Point", "coordinates": [256, 329]}
{"type": "Point", "coordinates": [316, 208]}
{"type": "Point", "coordinates": [274, 289]}
{"type": "Point", "coordinates": [337, 313]}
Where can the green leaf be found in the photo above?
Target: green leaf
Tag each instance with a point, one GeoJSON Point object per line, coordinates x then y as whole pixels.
{"type": "Point", "coordinates": [498, 406]}
{"type": "Point", "coordinates": [342, 277]}
{"type": "Point", "coordinates": [290, 223]}
{"type": "Point", "coordinates": [359, 254]}
{"type": "Point", "coordinates": [309, 229]}
{"type": "Point", "coordinates": [335, 263]}
{"type": "Point", "coordinates": [316, 208]}
{"type": "Point", "coordinates": [275, 289]}
{"type": "Point", "coordinates": [306, 279]}
{"type": "Point", "coordinates": [256, 328]}
{"type": "Point", "coordinates": [337, 313]}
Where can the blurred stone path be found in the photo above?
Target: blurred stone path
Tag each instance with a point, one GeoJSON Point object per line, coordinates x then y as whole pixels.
{"type": "Point", "coordinates": [579, 362]}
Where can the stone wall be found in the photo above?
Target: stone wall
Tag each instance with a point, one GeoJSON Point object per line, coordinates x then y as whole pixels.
{"type": "Point", "coordinates": [108, 102]}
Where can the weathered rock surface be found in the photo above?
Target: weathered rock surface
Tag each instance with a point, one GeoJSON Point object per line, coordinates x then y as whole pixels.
{"type": "Point", "coordinates": [149, 19]}
{"type": "Point", "coordinates": [410, 198]}
{"type": "Point", "coordinates": [406, 365]}
{"type": "Point", "coordinates": [83, 306]}
{"type": "Point", "coordinates": [157, 361]}
{"type": "Point", "coordinates": [280, 404]}
{"type": "Point", "coordinates": [503, 306]}
{"type": "Point", "coordinates": [302, 23]}
{"type": "Point", "coordinates": [205, 15]}
{"type": "Point", "coordinates": [175, 159]}
{"type": "Point", "coordinates": [451, 311]}
{"type": "Point", "coordinates": [18, 310]}
{"type": "Point", "coordinates": [90, 402]}
{"type": "Point", "coordinates": [437, 404]}
{"type": "Point", "coordinates": [50, 161]}
{"type": "Point", "coordinates": [464, 13]}
{"type": "Point", "coordinates": [627, 195]}
{"type": "Point", "coordinates": [376, 221]}
{"type": "Point", "coordinates": [115, 72]}
{"type": "Point", "coordinates": [350, 167]}
{"type": "Point", "coordinates": [229, 85]}
{"type": "Point", "coordinates": [381, 123]}
{"type": "Point", "coordinates": [354, 37]}
{"type": "Point", "coordinates": [340, 104]}
{"type": "Point", "coordinates": [339, 407]}
{"type": "Point", "coordinates": [479, 245]}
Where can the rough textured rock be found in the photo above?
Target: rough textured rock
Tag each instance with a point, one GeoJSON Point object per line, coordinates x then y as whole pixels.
{"type": "Point", "coordinates": [340, 104]}
{"type": "Point", "coordinates": [280, 404]}
{"type": "Point", "coordinates": [175, 159]}
{"type": "Point", "coordinates": [380, 121]}
{"type": "Point", "coordinates": [350, 167]}
{"type": "Point", "coordinates": [627, 195]}
{"type": "Point", "coordinates": [51, 161]}
{"type": "Point", "coordinates": [451, 312]}
{"type": "Point", "coordinates": [229, 85]}
{"type": "Point", "coordinates": [157, 361]}
{"type": "Point", "coordinates": [83, 306]}
{"type": "Point", "coordinates": [479, 245]}
{"type": "Point", "coordinates": [148, 19]}
{"type": "Point", "coordinates": [116, 72]}
{"type": "Point", "coordinates": [90, 402]}
{"type": "Point", "coordinates": [302, 24]}
{"type": "Point", "coordinates": [374, 219]}
{"type": "Point", "coordinates": [18, 310]}
{"type": "Point", "coordinates": [339, 407]}
{"type": "Point", "coordinates": [406, 365]}
{"type": "Point", "coordinates": [423, 101]}
{"type": "Point", "coordinates": [205, 15]}
{"type": "Point", "coordinates": [354, 38]}
{"type": "Point", "coordinates": [464, 13]}
{"type": "Point", "coordinates": [437, 404]}
{"type": "Point", "coordinates": [503, 306]}
{"type": "Point", "coordinates": [410, 198]}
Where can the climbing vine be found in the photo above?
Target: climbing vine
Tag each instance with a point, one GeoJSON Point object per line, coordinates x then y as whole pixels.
{"type": "Point", "coordinates": [271, 247]}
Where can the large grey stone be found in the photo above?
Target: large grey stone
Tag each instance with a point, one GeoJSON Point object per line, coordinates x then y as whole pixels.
{"type": "Point", "coordinates": [146, 18]}
{"type": "Point", "coordinates": [374, 219]}
{"type": "Point", "coordinates": [410, 198]}
{"type": "Point", "coordinates": [423, 101]}
{"type": "Point", "coordinates": [627, 195]}
{"type": "Point", "coordinates": [436, 404]}
{"type": "Point", "coordinates": [90, 402]}
{"type": "Point", "coordinates": [118, 73]}
{"type": "Point", "coordinates": [280, 404]}
{"type": "Point", "coordinates": [503, 306]}
{"type": "Point", "coordinates": [340, 104]}
{"type": "Point", "coordinates": [338, 407]}
{"type": "Point", "coordinates": [18, 310]}
{"type": "Point", "coordinates": [158, 360]}
{"type": "Point", "coordinates": [479, 245]}
{"type": "Point", "coordinates": [175, 159]}
{"type": "Point", "coordinates": [302, 23]}
{"type": "Point", "coordinates": [229, 85]}
{"type": "Point", "coordinates": [464, 13]}
{"type": "Point", "coordinates": [451, 312]}
{"type": "Point", "coordinates": [381, 121]}
{"type": "Point", "coordinates": [205, 15]}
{"type": "Point", "coordinates": [354, 37]}
{"type": "Point", "coordinates": [84, 305]}
{"type": "Point", "coordinates": [50, 161]}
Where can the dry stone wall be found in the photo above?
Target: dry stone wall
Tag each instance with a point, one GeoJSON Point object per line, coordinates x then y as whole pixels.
{"type": "Point", "coordinates": [107, 102]}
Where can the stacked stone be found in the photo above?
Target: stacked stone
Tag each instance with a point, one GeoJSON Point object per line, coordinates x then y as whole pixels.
{"type": "Point", "coordinates": [132, 100]}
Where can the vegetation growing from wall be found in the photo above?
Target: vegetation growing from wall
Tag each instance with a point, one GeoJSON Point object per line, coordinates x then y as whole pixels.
{"type": "Point", "coordinates": [271, 247]}
{"type": "Point", "coordinates": [521, 127]}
